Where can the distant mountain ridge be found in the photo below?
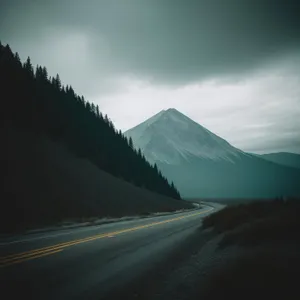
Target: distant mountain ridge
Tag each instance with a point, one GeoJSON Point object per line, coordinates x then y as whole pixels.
{"type": "Point", "coordinates": [283, 158]}
{"type": "Point", "coordinates": [201, 164]}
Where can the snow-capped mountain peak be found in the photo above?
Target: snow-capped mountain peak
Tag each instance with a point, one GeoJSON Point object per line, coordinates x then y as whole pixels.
{"type": "Point", "coordinates": [171, 137]}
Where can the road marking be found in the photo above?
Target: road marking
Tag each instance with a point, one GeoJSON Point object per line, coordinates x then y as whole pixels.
{"type": "Point", "coordinates": [40, 252]}
{"type": "Point", "coordinates": [29, 254]}
{"type": "Point", "coordinates": [17, 261]}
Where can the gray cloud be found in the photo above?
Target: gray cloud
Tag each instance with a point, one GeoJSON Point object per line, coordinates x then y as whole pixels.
{"type": "Point", "coordinates": [168, 41]}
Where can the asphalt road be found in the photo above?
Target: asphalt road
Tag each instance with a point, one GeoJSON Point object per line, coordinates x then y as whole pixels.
{"type": "Point", "coordinates": [91, 262]}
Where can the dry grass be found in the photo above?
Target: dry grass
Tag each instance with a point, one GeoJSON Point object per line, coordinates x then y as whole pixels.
{"type": "Point", "coordinates": [277, 230]}
{"type": "Point", "coordinates": [232, 217]}
{"type": "Point", "coordinates": [270, 230]}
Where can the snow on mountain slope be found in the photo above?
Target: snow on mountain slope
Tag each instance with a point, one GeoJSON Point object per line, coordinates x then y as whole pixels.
{"type": "Point", "coordinates": [171, 137]}
{"type": "Point", "coordinates": [203, 165]}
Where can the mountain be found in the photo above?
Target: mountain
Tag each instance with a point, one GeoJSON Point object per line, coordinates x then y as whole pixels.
{"type": "Point", "coordinates": [283, 158]}
{"type": "Point", "coordinates": [201, 164]}
{"type": "Point", "coordinates": [171, 137]}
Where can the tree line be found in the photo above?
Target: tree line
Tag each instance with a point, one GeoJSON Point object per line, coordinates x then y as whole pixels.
{"type": "Point", "coordinates": [35, 101]}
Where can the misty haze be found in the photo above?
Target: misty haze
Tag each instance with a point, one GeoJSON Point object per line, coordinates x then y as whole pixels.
{"type": "Point", "coordinates": [150, 149]}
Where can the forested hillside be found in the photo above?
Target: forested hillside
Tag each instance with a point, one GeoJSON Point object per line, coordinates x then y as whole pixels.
{"type": "Point", "coordinates": [32, 100]}
{"type": "Point", "coordinates": [61, 159]}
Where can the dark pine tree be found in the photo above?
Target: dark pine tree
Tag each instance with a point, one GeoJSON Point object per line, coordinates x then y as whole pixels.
{"type": "Point", "coordinates": [130, 142]}
{"type": "Point", "coordinates": [28, 67]}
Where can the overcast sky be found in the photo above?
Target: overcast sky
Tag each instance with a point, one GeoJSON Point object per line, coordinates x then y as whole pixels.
{"type": "Point", "coordinates": [231, 65]}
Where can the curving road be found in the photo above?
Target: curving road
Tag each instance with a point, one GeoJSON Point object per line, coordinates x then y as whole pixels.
{"type": "Point", "coordinates": [91, 262]}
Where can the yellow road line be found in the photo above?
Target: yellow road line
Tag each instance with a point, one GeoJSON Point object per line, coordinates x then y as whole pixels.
{"type": "Point", "coordinates": [30, 258]}
{"type": "Point", "coordinates": [19, 257]}
{"type": "Point", "coordinates": [31, 254]}
{"type": "Point", "coordinates": [49, 248]}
